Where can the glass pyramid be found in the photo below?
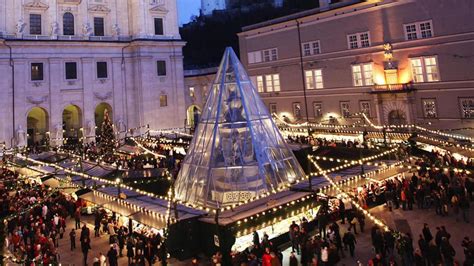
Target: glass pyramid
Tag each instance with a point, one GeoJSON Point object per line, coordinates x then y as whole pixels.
{"type": "Point", "coordinates": [237, 152]}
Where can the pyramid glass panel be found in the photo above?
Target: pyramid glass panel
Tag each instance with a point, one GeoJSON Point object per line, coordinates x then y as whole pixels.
{"type": "Point", "coordinates": [237, 152]}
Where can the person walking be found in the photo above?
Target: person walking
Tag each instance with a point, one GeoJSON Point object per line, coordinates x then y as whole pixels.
{"type": "Point", "coordinates": [112, 256]}
{"type": "Point", "coordinates": [349, 241]}
{"type": "Point", "coordinates": [293, 259]}
{"type": "Point", "coordinates": [130, 252]}
{"type": "Point", "coordinates": [72, 238]}
{"type": "Point", "coordinates": [85, 246]}
{"type": "Point", "coordinates": [77, 218]}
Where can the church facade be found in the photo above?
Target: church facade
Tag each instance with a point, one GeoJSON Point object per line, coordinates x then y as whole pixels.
{"type": "Point", "coordinates": [64, 64]}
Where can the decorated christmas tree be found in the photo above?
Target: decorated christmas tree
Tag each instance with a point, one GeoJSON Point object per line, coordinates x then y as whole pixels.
{"type": "Point", "coordinates": [107, 136]}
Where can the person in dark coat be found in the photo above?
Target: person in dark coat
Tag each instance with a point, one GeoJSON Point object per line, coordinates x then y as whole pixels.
{"type": "Point", "coordinates": [112, 256]}
{"type": "Point", "coordinates": [349, 241]}
{"type": "Point", "coordinates": [424, 248]}
{"type": "Point", "coordinates": [149, 252]}
{"type": "Point", "coordinates": [256, 238]}
{"type": "Point", "coordinates": [72, 237]}
{"type": "Point", "coordinates": [130, 252]}
{"type": "Point", "coordinates": [293, 259]}
{"type": "Point", "coordinates": [434, 254]}
{"type": "Point", "coordinates": [427, 233]}
{"type": "Point", "coordinates": [448, 252]}
{"type": "Point", "coordinates": [85, 246]}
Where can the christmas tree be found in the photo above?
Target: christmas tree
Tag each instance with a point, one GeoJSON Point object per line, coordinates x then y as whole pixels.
{"type": "Point", "coordinates": [107, 136]}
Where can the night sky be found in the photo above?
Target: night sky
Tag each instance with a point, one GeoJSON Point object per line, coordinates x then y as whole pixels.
{"type": "Point", "coordinates": [188, 8]}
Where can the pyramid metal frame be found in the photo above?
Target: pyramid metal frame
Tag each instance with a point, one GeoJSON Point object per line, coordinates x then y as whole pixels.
{"type": "Point", "coordinates": [237, 152]}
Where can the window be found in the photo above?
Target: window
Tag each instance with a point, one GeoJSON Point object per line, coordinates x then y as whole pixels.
{"type": "Point", "coordinates": [365, 107]}
{"type": "Point", "coordinates": [191, 92]}
{"type": "Point", "coordinates": [297, 110]}
{"type": "Point", "coordinates": [270, 55]}
{"type": "Point", "coordinates": [467, 107]}
{"type": "Point", "coordinates": [260, 87]}
{"type": "Point", "coordinates": [418, 30]}
{"type": "Point", "coordinates": [314, 79]}
{"type": "Point", "coordinates": [68, 24]}
{"type": "Point", "coordinates": [318, 109]}
{"type": "Point", "coordinates": [272, 82]}
{"type": "Point", "coordinates": [311, 48]}
{"type": "Point", "coordinates": [102, 70]}
{"type": "Point", "coordinates": [163, 100]}
{"type": "Point", "coordinates": [71, 70]}
{"type": "Point", "coordinates": [345, 109]}
{"type": "Point", "coordinates": [358, 40]}
{"type": "Point", "coordinates": [429, 108]}
{"type": "Point", "coordinates": [99, 26]}
{"type": "Point", "coordinates": [362, 75]}
{"type": "Point", "coordinates": [159, 26]}
{"type": "Point", "coordinates": [424, 69]}
{"type": "Point", "coordinates": [255, 57]}
{"type": "Point", "coordinates": [273, 108]}
{"type": "Point", "coordinates": [36, 71]}
{"type": "Point", "coordinates": [161, 67]}
{"type": "Point", "coordinates": [35, 24]}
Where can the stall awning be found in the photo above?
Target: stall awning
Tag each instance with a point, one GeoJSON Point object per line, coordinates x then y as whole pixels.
{"type": "Point", "coordinates": [96, 198]}
{"type": "Point", "coordinates": [149, 220]}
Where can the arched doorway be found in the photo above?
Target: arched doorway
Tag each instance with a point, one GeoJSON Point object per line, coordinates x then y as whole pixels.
{"type": "Point", "coordinates": [99, 116]}
{"type": "Point", "coordinates": [72, 123]}
{"type": "Point", "coordinates": [193, 115]}
{"type": "Point", "coordinates": [397, 117]}
{"type": "Point", "coordinates": [37, 125]}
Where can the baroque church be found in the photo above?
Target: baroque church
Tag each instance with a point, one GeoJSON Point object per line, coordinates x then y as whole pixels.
{"type": "Point", "coordinates": [65, 63]}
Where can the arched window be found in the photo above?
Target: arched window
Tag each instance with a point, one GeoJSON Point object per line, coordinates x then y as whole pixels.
{"type": "Point", "coordinates": [68, 24]}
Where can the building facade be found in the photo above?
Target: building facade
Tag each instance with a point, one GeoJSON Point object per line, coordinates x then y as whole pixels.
{"type": "Point", "coordinates": [196, 88]}
{"type": "Point", "coordinates": [398, 61]}
{"type": "Point", "coordinates": [64, 63]}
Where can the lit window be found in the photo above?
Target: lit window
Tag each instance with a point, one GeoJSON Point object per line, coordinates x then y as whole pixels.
{"type": "Point", "coordinates": [362, 75]}
{"type": "Point", "coordinates": [358, 40]}
{"type": "Point", "coordinates": [418, 30]}
{"type": "Point", "coordinates": [431, 68]}
{"type": "Point", "coordinates": [429, 108]}
{"type": "Point", "coordinates": [425, 69]}
{"type": "Point", "coordinates": [297, 110]}
{"type": "Point", "coordinates": [467, 108]}
{"type": "Point", "coordinates": [314, 79]}
{"type": "Point", "coordinates": [311, 48]}
{"type": "Point", "coordinates": [417, 70]}
{"type": "Point", "coordinates": [365, 107]}
{"type": "Point", "coordinates": [318, 109]}
{"type": "Point", "coordinates": [272, 82]}
{"type": "Point", "coordinates": [36, 71]}
{"type": "Point", "coordinates": [368, 74]}
{"type": "Point", "coordinates": [163, 100]}
{"type": "Point", "coordinates": [191, 92]}
{"type": "Point", "coordinates": [260, 84]}
{"type": "Point", "coordinates": [345, 109]}
{"type": "Point", "coordinates": [273, 108]}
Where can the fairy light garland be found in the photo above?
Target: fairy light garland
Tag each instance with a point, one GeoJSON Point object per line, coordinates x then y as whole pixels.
{"type": "Point", "coordinates": [354, 203]}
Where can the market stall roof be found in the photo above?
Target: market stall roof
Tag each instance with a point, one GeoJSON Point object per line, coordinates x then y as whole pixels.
{"type": "Point", "coordinates": [161, 206]}
{"type": "Point", "coordinates": [246, 210]}
{"type": "Point", "coordinates": [113, 191]}
{"type": "Point", "coordinates": [49, 157]}
{"type": "Point", "coordinates": [96, 198]}
{"type": "Point", "coordinates": [149, 220]}
{"type": "Point", "coordinates": [129, 149]}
